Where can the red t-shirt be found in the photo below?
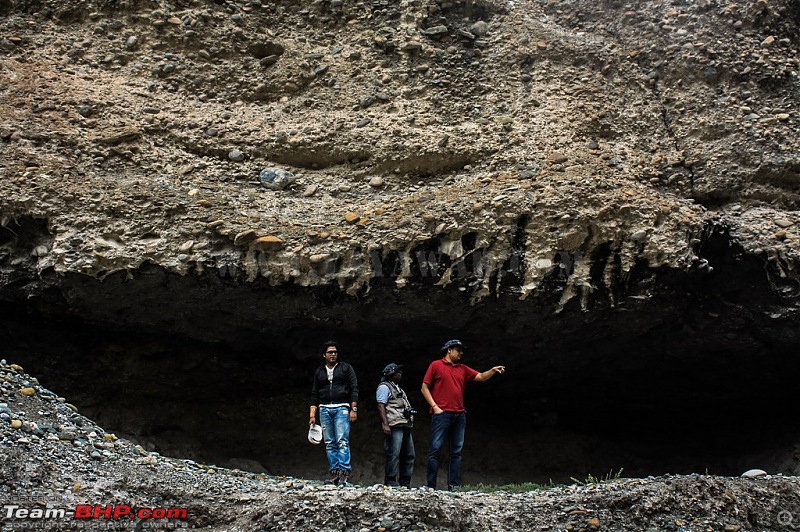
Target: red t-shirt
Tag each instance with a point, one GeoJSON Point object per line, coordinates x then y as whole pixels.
{"type": "Point", "coordinates": [446, 382]}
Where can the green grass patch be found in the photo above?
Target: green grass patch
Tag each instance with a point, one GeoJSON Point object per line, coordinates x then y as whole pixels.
{"type": "Point", "coordinates": [591, 479]}
{"type": "Point", "coordinates": [523, 487]}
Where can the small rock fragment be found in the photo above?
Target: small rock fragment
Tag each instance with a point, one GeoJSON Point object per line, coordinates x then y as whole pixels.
{"type": "Point", "coordinates": [269, 243]}
{"type": "Point", "coordinates": [411, 46]}
{"type": "Point", "coordinates": [276, 178]}
{"type": "Point", "coordinates": [479, 29]}
{"type": "Point", "coordinates": [435, 31]}
{"type": "Point", "coordinates": [236, 156]}
{"type": "Point", "coordinates": [244, 237]}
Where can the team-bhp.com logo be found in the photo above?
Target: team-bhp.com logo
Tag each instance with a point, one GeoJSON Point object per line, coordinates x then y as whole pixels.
{"type": "Point", "coordinates": [85, 515]}
{"type": "Point", "coordinates": [85, 511]}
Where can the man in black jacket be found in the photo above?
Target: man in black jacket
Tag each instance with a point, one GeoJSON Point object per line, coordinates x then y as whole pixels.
{"type": "Point", "coordinates": [334, 393]}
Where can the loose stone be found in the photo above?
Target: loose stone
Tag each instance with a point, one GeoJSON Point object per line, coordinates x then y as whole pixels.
{"type": "Point", "coordinates": [411, 46]}
{"type": "Point", "coordinates": [236, 155]}
{"type": "Point", "coordinates": [435, 30]}
{"type": "Point", "coordinates": [244, 237]}
{"type": "Point", "coordinates": [479, 29]}
{"type": "Point", "coordinates": [269, 243]}
{"type": "Point", "coordinates": [276, 178]}
{"type": "Point", "coordinates": [269, 60]}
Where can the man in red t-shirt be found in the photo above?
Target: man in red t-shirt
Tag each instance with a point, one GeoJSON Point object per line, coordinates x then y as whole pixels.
{"type": "Point", "coordinates": [443, 388]}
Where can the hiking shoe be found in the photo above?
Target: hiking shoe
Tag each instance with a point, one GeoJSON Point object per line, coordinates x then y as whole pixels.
{"type": "Point", "coordinates": [334, 477]}
{"type": "Point", "coordinates": [344, 478]}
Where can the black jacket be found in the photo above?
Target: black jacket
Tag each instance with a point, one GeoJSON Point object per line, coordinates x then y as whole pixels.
{"type": "Point", "coordinates": [343, 389]}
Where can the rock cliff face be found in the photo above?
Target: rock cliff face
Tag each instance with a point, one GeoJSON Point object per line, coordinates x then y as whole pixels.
{"type": "Point", "coordinates": [600, 195]}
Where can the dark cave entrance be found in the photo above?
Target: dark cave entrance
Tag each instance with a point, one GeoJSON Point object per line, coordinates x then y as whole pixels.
{"type": "Point", "coordinates": [688, 373]}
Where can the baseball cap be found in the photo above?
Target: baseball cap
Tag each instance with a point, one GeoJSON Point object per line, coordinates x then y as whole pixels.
{"type": "Point", "coordinates": [391, 369]}
{"type": "Point", "coordinates": [452, 343]}
{"type": "Point", "coordinates": [315, 434]}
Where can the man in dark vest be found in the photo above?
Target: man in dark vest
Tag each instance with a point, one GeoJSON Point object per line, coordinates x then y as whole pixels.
{"type": "Point", "coordinates": [397, 418]}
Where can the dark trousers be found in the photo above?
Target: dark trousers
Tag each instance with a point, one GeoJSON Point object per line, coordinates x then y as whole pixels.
{"type": "Point", "coordinates": [450, 425]}
{"type": "Point", "coordinates": [400, 455]}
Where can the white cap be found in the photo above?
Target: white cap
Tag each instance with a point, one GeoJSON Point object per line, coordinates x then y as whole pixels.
{"type": "Point", "coordinates": [315, 434]}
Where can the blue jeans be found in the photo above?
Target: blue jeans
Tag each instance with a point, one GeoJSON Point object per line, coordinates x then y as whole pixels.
{"type": "Point", "coordinates": [399, 447]}
{"type": "Point", "coordinates": [336, 431]}
{"type": "Point", "coordinates": [452, 425]}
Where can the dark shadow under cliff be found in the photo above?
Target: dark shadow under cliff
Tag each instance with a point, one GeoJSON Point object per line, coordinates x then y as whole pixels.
{"type": "Point", "coordinates": [688, 371]}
